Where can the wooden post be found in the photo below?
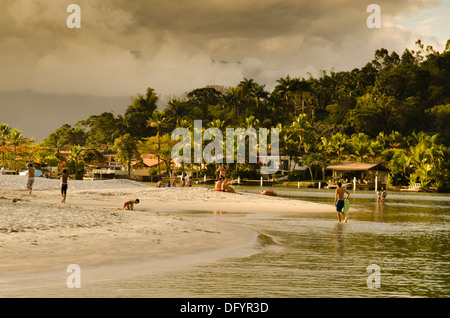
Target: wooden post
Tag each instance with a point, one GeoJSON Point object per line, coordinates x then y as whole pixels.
{"type": "Point", "coordinates": [320, 184]}
{"type": "Point", "coordinates": [354, 183]}
{"type": "Point", "coordinates": [261, 182]}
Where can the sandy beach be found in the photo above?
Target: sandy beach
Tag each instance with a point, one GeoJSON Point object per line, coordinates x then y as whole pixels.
{"type": "Point", "coordinates": [42, 236]}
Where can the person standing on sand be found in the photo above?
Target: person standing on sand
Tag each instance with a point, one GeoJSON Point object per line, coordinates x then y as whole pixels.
{"type": "Point", "coordinates": [64, 178]}
{"type": "Point", "coordinates": [174, 180]}
{"type": "Point", "coordinates": [222, 171]}
{"type": "Point", "coordinates": [339, 201]}
{"type": "Point", "coordinates": [30, 177]}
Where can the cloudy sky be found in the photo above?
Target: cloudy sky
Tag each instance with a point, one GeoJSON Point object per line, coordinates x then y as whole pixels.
{"type": "Point", "coordinates": [51, 75]}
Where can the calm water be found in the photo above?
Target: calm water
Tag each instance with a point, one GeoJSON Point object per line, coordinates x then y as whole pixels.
{"type": "Point", "coordinates": [310, 255]}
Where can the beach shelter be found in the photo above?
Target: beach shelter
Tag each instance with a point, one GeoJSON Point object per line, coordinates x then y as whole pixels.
{"type": "Point", "coordinates": [364, 172]}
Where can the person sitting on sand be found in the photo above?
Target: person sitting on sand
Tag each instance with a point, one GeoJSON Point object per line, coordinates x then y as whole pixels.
{"type": "Point", "coordinates": [226, 186]}
{"type": "Point", "coordinates": [219, 184]}
{"type": "Point", "coordinates": [64, 178]}
{"type": "Point", "coordinates": [130, 204]}
{"type": "Point", "coordinates": [30, 177]}
{"type": "Point", "coordinates": [159, 184]}
{"type": "Point", "coordinates": [339, 201]}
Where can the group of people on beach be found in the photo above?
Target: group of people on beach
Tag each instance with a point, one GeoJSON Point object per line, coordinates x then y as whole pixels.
{"type": "Point", "coordinates": [185, 181]}
{"type": "Point", "coordinates": [381, 195]}
{"type": "Point", "coordinates": [64, 176]}
{"type": "Point", "coordinates": [342, 195]}
{"type": "Point", "coordinates": [223, 184]}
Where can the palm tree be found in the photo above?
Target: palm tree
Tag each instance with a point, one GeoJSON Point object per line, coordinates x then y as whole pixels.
{"type": "Point", "coordinates": [394, 139]}
{"type": "Point", "coordinates": [15, 139]}
{"type": "Point", "coordinates": [284, 90]}
{"type": "Point", "coordinates": [259, 93]}
{"type": "Point", "coordinates": [337, 144]}
{"type": "Point", "coordinates": [300, 128]}
{"type": "Point", "coordinates": [424, 173]}
{"type": "Point", "coordinates": [158, 121]}
{"type": "Point", "coordinates": [375, 148]}
{"type": "Point", "coordinates": [251, 122]}
{"type": "Point", "coordinates": [296, 92]}
{"type": "Point", "coordinates": [360, 146]}
{"type": "Point", "coordinates": [217, 123]}
{"type": "Point", "coordinates": [176, 109]}
{"type": "Point", "coordinates": [234, 97]}
{"type": "Point", "coordinates": [76, 155]}
{"type": "Point", "coordinates": [399, 166]}
{"type": "Point", "coordinates": [4, 136]}
{"type": "Point", "coordinates": [291, 148]}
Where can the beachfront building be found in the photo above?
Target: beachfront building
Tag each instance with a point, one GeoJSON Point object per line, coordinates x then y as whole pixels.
{"type": "Point", "coordinates": [63, 153]}
{"type": "Point", "coordinates": [109, 169]}
{"type": "Point", "coordinates": [142, 170]}
{"type": "Point", "coordinates": [110, 158]}
{"type": "Point", "coordinates": [290, 164]}
{"type": "Point", "coordinates": [366, 173]}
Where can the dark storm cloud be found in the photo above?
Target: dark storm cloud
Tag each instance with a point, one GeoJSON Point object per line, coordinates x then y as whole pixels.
{"type": "Point", "coordinates": [176, 41]}
{"type": "Point", "coordinates": [174, 46]}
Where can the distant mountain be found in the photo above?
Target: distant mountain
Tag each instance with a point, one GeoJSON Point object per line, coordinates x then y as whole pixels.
{"type": "Point", "coordinates": [37, 115]}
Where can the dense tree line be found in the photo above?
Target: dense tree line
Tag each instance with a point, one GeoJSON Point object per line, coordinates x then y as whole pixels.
{"type": "Point", "coordinates": [391, 109]}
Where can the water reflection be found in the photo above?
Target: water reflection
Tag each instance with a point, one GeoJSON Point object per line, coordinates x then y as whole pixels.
{"type": "Point", "coordinates": [338, 240]}
{"type": "Point", "coordinates": [379, 212]}
{"type": "Point", "coordinates": [219, 212]}
{"type": "Point", "coordinates": [311, 255]}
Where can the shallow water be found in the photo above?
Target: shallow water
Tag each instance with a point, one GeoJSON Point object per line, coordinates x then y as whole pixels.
{"type": "Point", "coordinates": [311, 255]}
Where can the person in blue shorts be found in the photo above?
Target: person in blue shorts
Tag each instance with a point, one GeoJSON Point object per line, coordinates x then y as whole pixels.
{"type": "Point", "coordinates": [339, 201]}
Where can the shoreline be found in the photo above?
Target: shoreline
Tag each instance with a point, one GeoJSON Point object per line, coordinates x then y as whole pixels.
{"type": "Point", "coordinates": [41, 236]}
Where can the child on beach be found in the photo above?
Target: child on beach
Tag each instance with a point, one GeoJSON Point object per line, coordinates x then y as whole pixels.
{"type": "Point", "coordinates": [339, 201]}
{"type": "Point", "coordinates": [64, 178]}
{"type": "Point", "coordinates": [130, 204]}
{"type": "Point", "coordinates": [381, 195]}
{"type": "Point", "coordinates": [159, 184]}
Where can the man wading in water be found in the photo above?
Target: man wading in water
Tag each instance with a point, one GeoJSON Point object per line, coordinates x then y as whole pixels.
{"type": "Point", "coordinates": [339, 201]}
